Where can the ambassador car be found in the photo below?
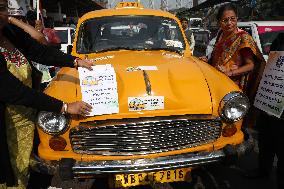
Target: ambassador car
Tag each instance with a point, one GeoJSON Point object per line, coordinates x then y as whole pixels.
{"type": "Point", "coordinates": [172, 113]}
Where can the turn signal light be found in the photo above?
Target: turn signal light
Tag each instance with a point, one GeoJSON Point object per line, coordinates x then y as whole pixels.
{"type": "Point", "coordinates": [229, 130]}
{"type": "Point", "coordinates": [57, 143]}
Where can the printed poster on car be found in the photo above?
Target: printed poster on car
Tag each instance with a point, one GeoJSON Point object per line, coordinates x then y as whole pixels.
{"type": "Point", "coordinates": [99, 89]}
{"type": "Point", "coordinates": [270, 94]}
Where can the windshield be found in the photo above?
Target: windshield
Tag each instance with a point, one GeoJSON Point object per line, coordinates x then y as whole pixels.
{"type": "Point", "coordinates": [63, 35]}
{"type": "Point", "coordinates": [131, 33]}
{"type": "Point", "coordinates": [267, 34]}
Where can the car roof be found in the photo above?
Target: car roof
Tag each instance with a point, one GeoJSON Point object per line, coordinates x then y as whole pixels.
{"type": "Point", "coordinates": [127, 11]}
{"type": "Point", "coordinates": [262, 23]}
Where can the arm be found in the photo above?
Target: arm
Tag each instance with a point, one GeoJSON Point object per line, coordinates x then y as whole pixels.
{"type": "Point", "coordinates": [37, 52]}
{"type": "Point", "coordinates": [248, 58]}
{"type": "Point", "coordinates": [15, 92]}
{"type": "Point", "coordinates": [50, 56]}
{"type": "Point", "coordinates": [38, 36]}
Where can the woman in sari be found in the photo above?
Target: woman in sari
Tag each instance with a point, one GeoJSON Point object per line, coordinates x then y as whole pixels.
{"type": "Point", "coordinates": [19, 101]}
{"type": "Point", "coordinates": [235, 53]}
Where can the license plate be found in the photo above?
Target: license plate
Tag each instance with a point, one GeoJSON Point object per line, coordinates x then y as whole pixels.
{"type": "Point", "coordinates": [128, 180]}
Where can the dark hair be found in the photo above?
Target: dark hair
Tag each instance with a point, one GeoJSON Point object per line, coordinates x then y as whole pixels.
{"type": "Point", "coordinates": [49, 22]}
{"type": "Point", "coordinates": [226, 7]}
{"type": "Point", "coordinates": [31, 17]}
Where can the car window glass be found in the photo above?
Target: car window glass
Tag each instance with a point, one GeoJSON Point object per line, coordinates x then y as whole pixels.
{"type": "Point", "coordinates": [63, 35]}
{"type": "Point", "coordinates": [129, 32]}
{"type": "Point", "coordinates": [267, 34]}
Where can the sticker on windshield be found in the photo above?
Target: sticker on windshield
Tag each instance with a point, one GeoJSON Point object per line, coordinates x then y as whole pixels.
{"type": "Point", "coordinates": [149, 42]}
{"type": "Point", "coordinates": [172, 55]}
{"type": "Point", "coordinates": [139, 68]}
{"type": "Point", "coordinates": [145, 103]}
{"type": "Point", "coordinates": [172, 43]}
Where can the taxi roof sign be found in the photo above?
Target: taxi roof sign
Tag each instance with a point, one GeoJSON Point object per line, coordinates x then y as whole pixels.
{"type": "Point", "coordinates": [129, 5]}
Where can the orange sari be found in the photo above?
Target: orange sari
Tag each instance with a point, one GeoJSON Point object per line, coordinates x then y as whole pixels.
{"type": "Point", "coordinates": [230, 52]}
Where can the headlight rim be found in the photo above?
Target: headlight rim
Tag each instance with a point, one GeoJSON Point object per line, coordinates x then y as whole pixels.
{"type": "Point", "coordinates": [66, 127]}
{"type": "Point", "coordinates": [226, 99]}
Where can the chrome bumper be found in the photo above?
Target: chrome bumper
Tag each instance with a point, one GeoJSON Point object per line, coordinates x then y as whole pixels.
{"type": "Point", "coordinates": [146, 165]}
{"type": "Point", "coordinates": [83, 169]}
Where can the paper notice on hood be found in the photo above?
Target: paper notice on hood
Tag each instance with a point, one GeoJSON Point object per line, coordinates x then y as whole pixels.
{"type": "Point", "coordinates": [146, 103]}
{"type": "Point", "coordinates": [99, 89]}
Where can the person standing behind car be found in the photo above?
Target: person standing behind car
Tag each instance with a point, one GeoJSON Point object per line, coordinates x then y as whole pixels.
{"type": "Point", "coordinates": [51, 34]}
{"type": "Point", "coordinates": [16, 119]}
{"type": "Point", "coordinates": [235, 53]}
{"type": "Point", "coordinates": [188, 33]}
{"type": "Point", "coordinates": [270, 135]}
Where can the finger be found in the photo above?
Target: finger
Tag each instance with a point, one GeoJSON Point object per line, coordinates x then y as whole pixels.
{"type": "Point", "coordinates": [88, 106]}
{"type": "Point", "coordinates": [84, 113]}
{"type": "Point", "coordinates": [89, 64]}
{"type": "Point", "coordinates": [86, 109]}
{"type": "Point", "coordinates": [89, 67]}
{"type": "Point", "coordinates": [81, 112]}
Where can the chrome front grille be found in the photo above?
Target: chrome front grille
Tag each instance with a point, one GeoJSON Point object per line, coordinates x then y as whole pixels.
{"type": "Point", "coordinates": [143, 137]}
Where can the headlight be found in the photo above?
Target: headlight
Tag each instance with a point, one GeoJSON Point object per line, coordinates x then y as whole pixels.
{"type": "Point", "coordinates": [233, 106]}
{"type": "Point", "coordinates": [52, 123]}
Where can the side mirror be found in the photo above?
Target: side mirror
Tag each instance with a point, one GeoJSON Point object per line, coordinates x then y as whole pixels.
{"type": "Point", "coordinates": [69, 49]}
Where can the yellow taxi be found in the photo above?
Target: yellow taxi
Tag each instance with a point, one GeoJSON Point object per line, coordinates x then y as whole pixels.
{"type": "Point", "coordinates": [173, 112]}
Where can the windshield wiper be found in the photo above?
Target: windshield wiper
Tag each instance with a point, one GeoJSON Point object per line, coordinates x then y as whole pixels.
{"type": "Point", "coordinates": [116, 48]}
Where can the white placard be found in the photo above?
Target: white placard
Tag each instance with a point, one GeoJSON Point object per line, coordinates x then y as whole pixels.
{"type": "Point", "coordinates": [146, 103]}
{"type": "Point", "coordinates": [99, 89]}
{"type": "Point", "coordinates": [270, 94]}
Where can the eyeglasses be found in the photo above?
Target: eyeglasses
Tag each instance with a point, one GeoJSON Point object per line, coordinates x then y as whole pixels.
{"type": "Point", "coordinates": [232, 19]}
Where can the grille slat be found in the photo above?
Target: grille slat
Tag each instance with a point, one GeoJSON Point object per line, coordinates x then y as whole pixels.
{"type": "Point", "coordinates": [144, 137]}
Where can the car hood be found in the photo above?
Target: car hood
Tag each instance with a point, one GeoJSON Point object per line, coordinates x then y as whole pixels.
{"type": "Point", "coordinates": [179, 80]}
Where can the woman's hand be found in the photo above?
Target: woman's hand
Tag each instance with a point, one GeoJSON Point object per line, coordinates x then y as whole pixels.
{"type": "Point", "coordinates": [85, 63]}
{"type": "Point", "coordinates": [231, 71]}
{"type": "Point", "coordinates": [79, 107]}
{"type": "Point", "coordinates": [228, 73]}
{"type": "Point", "coordinates": [38, 25]}
{"type": "Point", "coordinates": [203, 58]}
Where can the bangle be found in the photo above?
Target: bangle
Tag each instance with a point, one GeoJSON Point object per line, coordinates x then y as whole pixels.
{"type": "Point", "coordinates": [65, 107]}
{"type": "Point", "coordinates": [76, 62]}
